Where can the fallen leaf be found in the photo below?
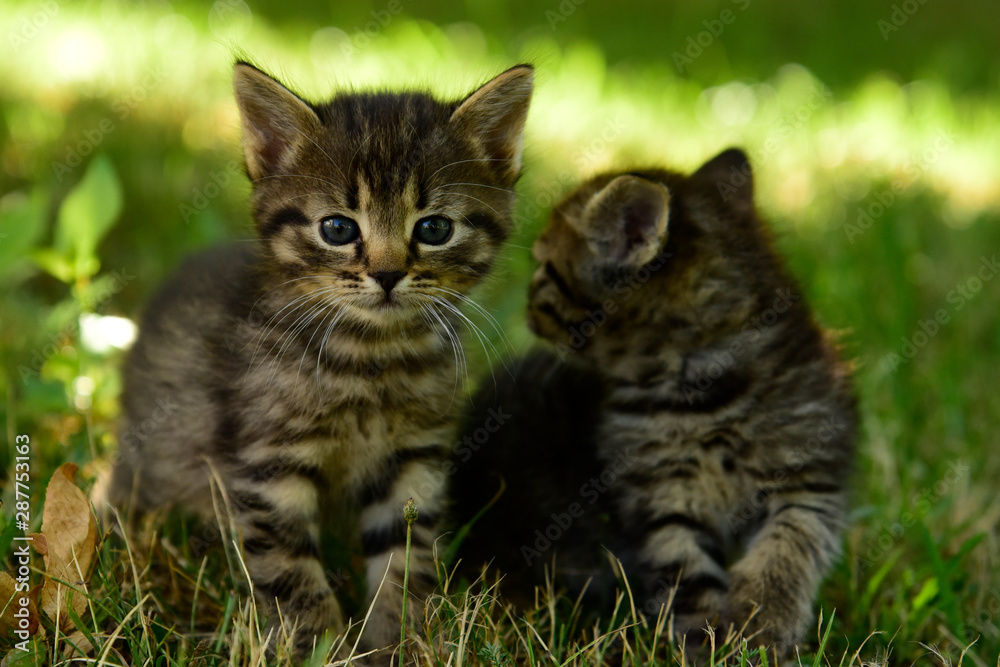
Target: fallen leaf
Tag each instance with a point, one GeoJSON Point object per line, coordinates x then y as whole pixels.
{"type": "Point", "coordinates": [10, 604]}
{"type": "Point", "coordinates": [70, 534]}
{"type": "Point", "coordinates": [39, 543]}
{"type": "Point", "coordinates": [77, 646]}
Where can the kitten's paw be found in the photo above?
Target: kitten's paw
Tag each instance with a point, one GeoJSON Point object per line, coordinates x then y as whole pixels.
{"type": "Point", "coordinates": [766, 618]}
{"type": "Point", "coordinates": [308, 618]}
{"type": "Point", "coordinates": [692, 629]}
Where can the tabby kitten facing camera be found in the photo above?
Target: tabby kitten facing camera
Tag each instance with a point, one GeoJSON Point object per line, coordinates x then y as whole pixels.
{"type": "Point", "coordinates": [315, 370]}
{"type": "Point", "coordinates": [719, 406]}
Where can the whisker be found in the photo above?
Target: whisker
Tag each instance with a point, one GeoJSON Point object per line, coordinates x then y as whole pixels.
{"type": "Point", "coordinates": [480, 309]}
{"type": "Point", "coordinates": [315, 178]}
{"type": "Point", "coordinates": [476, 159]}
{"type": "Point", "coordinates": [280, 285]}
{"type": "Point", "coordinates": [335, 165]}
{"type": "Point", "coordinates": [477, 185]}
{"type": "Point", "coordinates": [457, 350]}
{"type": "Point", "coordinates": [267, 328]}
{"type": "Point", "coordinates": [326, 341]}
{"type": "Point", "coordinates": [297, 328]}
{"type": "Point", "coordinates": [302, 300]}
{"type": "Point", "coordinates": [358, 150]}
{"type": "Point", "coordinates": [480, 336]}
{"type": "Point", "coordinates": [332, 308]}
{"type": "Point", "coordinates": [462, 194]}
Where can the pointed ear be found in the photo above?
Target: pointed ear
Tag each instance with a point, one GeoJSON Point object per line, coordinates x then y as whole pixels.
{"type": "Point", "coordinates": [729, 175]}
{"type": "Point", "coordinates": [494, 116]}
{"type": "Point", "coordinates": [275, 121]}
{"type": "Point", "coordinates": [626, 222]}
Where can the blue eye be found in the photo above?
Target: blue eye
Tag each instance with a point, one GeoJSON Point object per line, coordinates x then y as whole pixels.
{"type": "Point", "coordinates": [434, 230]}
{"type": "Point", "coordinates": [338, 230]}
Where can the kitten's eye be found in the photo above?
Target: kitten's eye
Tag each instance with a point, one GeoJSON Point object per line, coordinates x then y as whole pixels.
{"type": "Point", "coordinates": [434, 230]}
{"type": "Point", "coordinates": [338, 230]}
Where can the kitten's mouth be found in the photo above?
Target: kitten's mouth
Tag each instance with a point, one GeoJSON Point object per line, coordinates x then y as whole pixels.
{"type": "Point", "coordinates": [388, 303]}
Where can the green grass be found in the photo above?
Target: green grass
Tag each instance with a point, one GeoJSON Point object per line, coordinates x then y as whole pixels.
{"type": "Point", "coordinates": [831, 144]}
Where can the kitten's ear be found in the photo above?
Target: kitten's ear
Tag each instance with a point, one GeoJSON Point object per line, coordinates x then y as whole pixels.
{"type": "Point", "coordinates": [626, 222]}
{"type": "Point", "coordinates": [494, 116]}
{"type": "Point", "coordinates": [729, 175]}
{"type": "Point", "coordinates": [276, 123]}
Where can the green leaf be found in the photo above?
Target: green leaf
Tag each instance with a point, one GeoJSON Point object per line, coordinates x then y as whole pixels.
{"type": "Point", "coordinates": [53, 263]}
{"type": "Point", "coordinates": [825, 638]}
{"type": "Point", "coordinates": [87, 214]}
{"type": "Point", "coordinates": [948, 605]}
{"type": "Point", "coordinates": [22, 222]}
{"type": "Point", "coordinates": [926, 594]}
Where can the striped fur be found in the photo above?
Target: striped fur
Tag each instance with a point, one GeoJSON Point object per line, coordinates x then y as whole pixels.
{"type": "Point", "coordinates": [729, 401]}
{"type": "Point", "coordinates": [316, 392]}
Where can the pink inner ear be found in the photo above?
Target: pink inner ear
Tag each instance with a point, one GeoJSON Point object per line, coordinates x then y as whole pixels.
{"type": "Point", "coordinates": [638, 223]}
{"type": "Point", "coordinates": [272, 145]}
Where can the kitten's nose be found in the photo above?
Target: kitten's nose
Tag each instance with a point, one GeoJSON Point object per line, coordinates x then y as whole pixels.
{"type": "Point", "coordinates": [387, 279]}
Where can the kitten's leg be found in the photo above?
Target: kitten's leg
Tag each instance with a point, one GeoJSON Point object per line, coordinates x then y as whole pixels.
{"type": "Point", "coordinates": [275, 503]}
{"type": "Point", "coordinates": [685, 553]}
{"type": "Point", "coordinates": [417, 474]}
{"type": "Point", "coordinates": [784, 564]}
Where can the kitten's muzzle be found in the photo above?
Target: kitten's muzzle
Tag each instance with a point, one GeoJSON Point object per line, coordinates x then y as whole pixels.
{"type": "Point", "coordinates": [387, 279]}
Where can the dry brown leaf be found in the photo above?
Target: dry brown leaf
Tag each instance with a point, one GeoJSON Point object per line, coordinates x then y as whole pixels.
{"type": "Point", "coordinates": [70, 535]}
{"type": "Point", "coordinates": [39, 543]}
{"type": "Point", "coordinates": [77, 646]}
{"type": "Point", "coordinates": [10, 605]}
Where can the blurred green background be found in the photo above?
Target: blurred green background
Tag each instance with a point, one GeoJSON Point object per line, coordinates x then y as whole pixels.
{"type": "Point", "coordinates": [873, 127]}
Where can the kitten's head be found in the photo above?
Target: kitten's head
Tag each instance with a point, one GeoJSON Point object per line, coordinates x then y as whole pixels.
{"type": "Point", "coordinates": [379, 201]}
{"type": "Point", "coordinates": [648, 247]}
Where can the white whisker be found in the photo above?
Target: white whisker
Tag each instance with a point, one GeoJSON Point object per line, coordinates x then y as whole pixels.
{"type": "Point", "coordinates": [476, 159]}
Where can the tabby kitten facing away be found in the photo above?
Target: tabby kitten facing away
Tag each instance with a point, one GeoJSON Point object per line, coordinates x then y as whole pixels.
{"type": "Point", "coordinates": [729, 415]}
{"type": "Point", "coordinates": [315, 370]}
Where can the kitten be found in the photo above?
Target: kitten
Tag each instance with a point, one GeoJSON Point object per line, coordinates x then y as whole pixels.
{"type": "Point", "coordinates": [315, 372]}
{"type": "Point", "coordinates": [725, 424]}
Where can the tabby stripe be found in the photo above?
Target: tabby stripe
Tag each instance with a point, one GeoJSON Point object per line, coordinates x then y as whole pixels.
{"type": "Point", "coordinates": [712, 549]}
{"type": "Point", "coordinates": [288, 582]}
{"type": "Point", "coordinates": [301, 546]}
{"type": "Point", "coordinates": [289, 215]}
{"type": "Point", "coordinates": [690, 588]}
{"type": "Point", "coordinates": [805, 545]}
{"type": "Point", "coordinates": [250, 501]}
{"type": "Point", "coordinates": [550, 310]}
{"type": "Point", "coordinates": [678, 519]}
{"type": "Point", "coordinates": [338, 365]}
{"type": "Point", "coordinates": [811, 487]}
{"type": "Point", "coordinates": [294, 540]}
{"type": "Point", "coordinates": [710, 544]}
{"type": "Point", "coordinates": [487, 224]}
{"type": "Point", "coordinates": [378, 490]}
{"type": "Point", "coordinates": [809, 508]}
{"type": "Point", "coordinates": [305, 601]}
{"type": "Point", "coordinates": [703, 580]}
{"type": "Point", "coordinates": [476, 269]}
{"type": "Point", "coordinates": [665, 469]}
{"type": "Point", "coordinates": [267, 471]}
{"type": "Point", "coordinates": [564, 288]}
{"type": "Point", "coordinates": [726, 394]}
{"type": "Point", "coordinates": [379, 540]}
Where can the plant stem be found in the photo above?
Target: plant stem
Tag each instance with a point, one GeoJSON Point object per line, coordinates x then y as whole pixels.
{"type": "Point", "coordinates": [410, 514]}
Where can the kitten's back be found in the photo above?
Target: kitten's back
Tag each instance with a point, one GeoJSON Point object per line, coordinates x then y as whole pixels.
{"type": "Point", "coordinates": [174, 374]}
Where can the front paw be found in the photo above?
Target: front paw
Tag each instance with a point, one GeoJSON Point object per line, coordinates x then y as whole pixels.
{"type": "Point", "coordinates": [693, 623]}
{"type": "Point", "coordinates": [303, 622]}
{"type": "Point", "coordinates": [773, 617]}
